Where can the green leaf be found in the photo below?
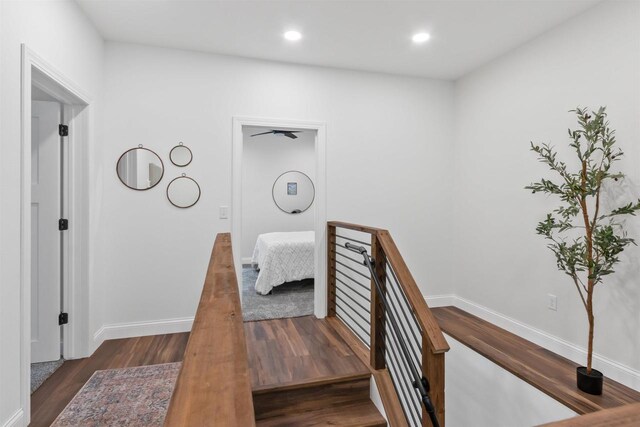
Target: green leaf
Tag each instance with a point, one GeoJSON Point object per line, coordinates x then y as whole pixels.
{"type": "Point", "coordinates": [594, 144]}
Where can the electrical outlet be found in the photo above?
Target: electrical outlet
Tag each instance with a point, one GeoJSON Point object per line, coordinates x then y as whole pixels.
{"type": "Point", "coordinates": [553, 302]}
{"type": "Point", "coordinates": [224, 212]}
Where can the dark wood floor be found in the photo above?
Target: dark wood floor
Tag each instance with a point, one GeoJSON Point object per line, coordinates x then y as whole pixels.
{"type": "Point", "coordinates": [545, 370]}
{"type": "Point", "coordinates": [301, 349]}
{"type": "Point", "coordinates": [58, 390]}
{"type": "Point", "coordinates": [282, 352]}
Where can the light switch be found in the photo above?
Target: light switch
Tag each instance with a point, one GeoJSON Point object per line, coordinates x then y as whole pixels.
{"type": "Point", "coordinates": [224, 212]}
{"type": "Point", "coordinates": [553, 302]}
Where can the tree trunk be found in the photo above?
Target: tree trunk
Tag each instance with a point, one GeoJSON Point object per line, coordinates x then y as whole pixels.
{"type": "Point", "coordinates": [591, 282]}
{"type": "Point", "coordinates": [591, 326]}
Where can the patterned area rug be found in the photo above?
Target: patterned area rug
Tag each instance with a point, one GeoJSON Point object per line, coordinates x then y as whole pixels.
{"type": "Point", "coordinates": [293, 299]}
{"type": "Point", "coordinates": [122, 397]}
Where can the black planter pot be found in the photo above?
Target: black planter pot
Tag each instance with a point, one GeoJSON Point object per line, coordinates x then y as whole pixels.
{"type": "Point", "coordinates": [590, 383]}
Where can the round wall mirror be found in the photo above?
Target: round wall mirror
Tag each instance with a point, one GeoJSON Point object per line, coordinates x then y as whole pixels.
{"type": "Point", "coordinates": [140, 168]}
{"type": "Point", "coordinates": [293, 192]}
{"type": "Point", "coordinates": [180, 155]}
{"type": "Point", "coordinates": [183, 192]}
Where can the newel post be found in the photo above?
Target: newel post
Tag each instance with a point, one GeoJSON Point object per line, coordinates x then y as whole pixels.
{"type": "Point", "coordinates": [377, 305]}
{"type": "Point", "coordinates": [433, 369]}
{"type": "Point", "coordinates": [331, 270]}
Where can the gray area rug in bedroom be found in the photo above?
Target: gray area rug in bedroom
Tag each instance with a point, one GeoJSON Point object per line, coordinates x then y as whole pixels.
{"type": "Point", "coordinates": [292, 299]}
{"type": "Point", "coordinates": [41, 371]}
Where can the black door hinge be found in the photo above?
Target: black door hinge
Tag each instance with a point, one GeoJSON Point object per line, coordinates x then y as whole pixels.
{"type": "Point", "coordinates": [63, 130]}
{"type": "Point", "coordinates": [63, 224]}
{"type": "Point", "coordinates": [63, 318]}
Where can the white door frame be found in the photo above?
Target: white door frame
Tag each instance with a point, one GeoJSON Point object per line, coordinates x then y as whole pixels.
{"type": "Point", "coordinates": [320, 208]}
{"type": "Point", "coordinates": [77, 113]}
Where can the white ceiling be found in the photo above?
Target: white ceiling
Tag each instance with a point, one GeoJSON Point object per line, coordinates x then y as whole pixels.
{"type": "Point", "coordinates": [357, 34]}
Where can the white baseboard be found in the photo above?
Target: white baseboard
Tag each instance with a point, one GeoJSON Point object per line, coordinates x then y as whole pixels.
{"type": "Point", "coordinates": [140, 329]}
{"type": "Point", "coordinates": [612, 369]}
{"type": "Point", "coordinates": [17, 419]}
{"type": "Point", "coordinates": [440, 300]}
{"type": "Point", "coordinates": [246, 260]}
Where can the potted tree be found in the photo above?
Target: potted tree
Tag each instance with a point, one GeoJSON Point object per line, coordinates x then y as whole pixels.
{"type": "Point", "coordinates": [585, 240]}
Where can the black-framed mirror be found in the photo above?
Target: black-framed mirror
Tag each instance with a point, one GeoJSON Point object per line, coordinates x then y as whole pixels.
{"type": "Point", "coordinates": [140, 168]}
{"type": "Point", "coordinates": [180, 155]}
{"type": "Point", "coordinates": [183, 192]}
{"type": "Point", "coordinates": [293, 192]}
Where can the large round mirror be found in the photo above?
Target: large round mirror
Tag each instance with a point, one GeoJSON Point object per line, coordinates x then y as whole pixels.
{"type": "Point", "coordinates": [140, 168]}
{"type": "Point", "coordinates": [293, 192]}
{"type": "Point", "coordinates": [180, 155]}
{"type": "Point", "coordinates": [183, 192]}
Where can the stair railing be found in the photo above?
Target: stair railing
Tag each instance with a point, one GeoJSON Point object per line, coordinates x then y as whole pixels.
{"type": "Point", "coordinates": [377, 298]}
{"type": "Point", "coordinates": [419, 382]}
{"type": "Point", "coordinates": [214, 384]}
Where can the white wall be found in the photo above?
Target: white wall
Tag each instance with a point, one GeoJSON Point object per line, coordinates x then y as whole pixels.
{"type": "Point", "coordinates": [390, 163]}
{"type": "Point", "coordinates": [264, 159]}
{"type": "Point", "coordinates": [388, 141]}
{"type": "Point", "coordinates": [479, 393]}
{"type": "Point", "coordinates": [500, 262]}
{"type": "Point", "coordinates": [60, 33]}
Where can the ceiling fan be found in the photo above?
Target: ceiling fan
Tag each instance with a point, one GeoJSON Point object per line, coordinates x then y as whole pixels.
{"type": "Point", "coordinates": [287, 133]}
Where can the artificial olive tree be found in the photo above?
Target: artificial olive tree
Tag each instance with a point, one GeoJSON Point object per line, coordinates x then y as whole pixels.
{"type": "Point", "coordinates": [586, 241]}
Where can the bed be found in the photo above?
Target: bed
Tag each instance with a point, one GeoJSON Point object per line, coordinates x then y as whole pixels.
{"type": "Point", "coordinates": [283, 257]}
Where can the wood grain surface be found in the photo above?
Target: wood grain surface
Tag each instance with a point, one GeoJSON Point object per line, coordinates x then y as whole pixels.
{"type": "Point", "coordinates": [622, 416]}
{"type": "Point", "coordinates": [543, 369]}
{"type": "Point", "coordinates": [57, 391]}
{"type": "Point", "coordinates": [214, 386]}
{"type": "Point", "coordinates": [297, 350]}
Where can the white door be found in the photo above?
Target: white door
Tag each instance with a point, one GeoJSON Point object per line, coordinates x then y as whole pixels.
{"type": "Point", "coordinates": [45, 236]}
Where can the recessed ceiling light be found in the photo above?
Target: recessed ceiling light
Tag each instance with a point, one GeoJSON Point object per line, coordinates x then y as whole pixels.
{"type": "Point", "coordinates": [292, 35]}
{"type": "Point", "coordinates": [420, 37]}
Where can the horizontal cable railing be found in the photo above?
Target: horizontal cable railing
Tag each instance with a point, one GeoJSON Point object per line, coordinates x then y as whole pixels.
{"type": "Point", "coordinates": [373, 293]}
{"type": "Point", "coordinates": [352, 290]}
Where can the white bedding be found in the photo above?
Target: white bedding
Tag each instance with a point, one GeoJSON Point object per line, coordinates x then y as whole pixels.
{"type": "Point", "coordinates": [283, 257]}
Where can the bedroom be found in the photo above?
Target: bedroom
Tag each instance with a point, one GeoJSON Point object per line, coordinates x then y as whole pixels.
{"type": "Point", "coordinates": [278, 222]}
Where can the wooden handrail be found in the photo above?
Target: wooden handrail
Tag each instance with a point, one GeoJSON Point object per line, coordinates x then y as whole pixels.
{"type": "Point", "coordinates": [214, 386]}
{"type": "Point", "coordinates": [428, 323]}
{"type": "Point", "coordinates": [622, 416]}
{"type": "Point", "coordinates": [426, 320]}
{"type": "Point", "coordinates": [434, 345]}
{"type": "Point", "coordinates": [356, 227]}
{"type": "Point", "coordinates": [548, 372]}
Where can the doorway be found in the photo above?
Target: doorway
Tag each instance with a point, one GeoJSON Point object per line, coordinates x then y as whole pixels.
{"type": "Point", "coordinates": [47, 254]}
{"type": "Point", "coordinates": [278, 192]}
{"type": "Point", "coordinates": [54, 211]}
{"type": "Point", "coordinates": [315, 137]}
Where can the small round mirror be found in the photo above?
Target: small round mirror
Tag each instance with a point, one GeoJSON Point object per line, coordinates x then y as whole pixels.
{"type": "Point", "coordinates": [180, 155]}
{"type": "Point", "coordinates": [293, 192]}
{"type": "Point", "coordinates": [183, 192]}
{"type": "Point", "coordinates": [140, 168]}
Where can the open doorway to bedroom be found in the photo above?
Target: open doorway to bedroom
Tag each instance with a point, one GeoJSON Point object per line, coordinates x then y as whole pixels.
{"type": "Point", "coordinates": [278, 222]}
